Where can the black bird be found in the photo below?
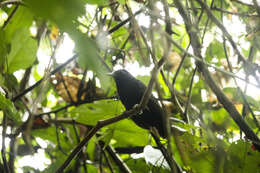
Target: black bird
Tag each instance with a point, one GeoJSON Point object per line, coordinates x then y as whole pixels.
{"type": "Point", "coordinates": [130, 91]}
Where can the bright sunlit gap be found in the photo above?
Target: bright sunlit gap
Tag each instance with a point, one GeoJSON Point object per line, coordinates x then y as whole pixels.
{"type": "Point", "coordinates": [237, 29]}
{"type": "Point", "coordinates": [38, 159]}
{"type": "Point", "coordinates": [66, 49]}
{"type": "Point", "coordinates": [7, 140]}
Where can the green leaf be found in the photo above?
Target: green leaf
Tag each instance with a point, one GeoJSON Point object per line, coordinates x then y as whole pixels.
{"type": "Point", "coordinates": [22, 18]}
{"type": "Point", "coordinates": [203, 162]}
{"type": "Point", "coordinates": [3, 49]}
{"type": "Point", "coordinates": [23, 51]}
{"type": "Point", "coordinates": [88, 56]}
{"type": "Point", "coordinates": [221, 121]}
{"type": "Point", "coordinates": [10, 82]}
{"type": "Point", "coordinates": [63, 13]}
{"type": "Point", "coordinates": [126, 133]}
{"type": "Point", "coordinates": [46, 134]}
{"type": "Point", "coordinates": [57, 163]}
{"type": "Point", "coordinates": [97, 2]}
{"type": "Point", "coordinates": [8, 107]}
{"type": "Point", "coordinates": [93, 112]}
{"type": "Point", "coordinates": [66, 137]}
{"type": "Point", "coordinates": [1, 80]}
{"type": "Point", "coordinates": [241, 158]}
{"type": "Point", "coordinates": [87, 50]}
{"type": "Point", "coordinates": [215, 50]}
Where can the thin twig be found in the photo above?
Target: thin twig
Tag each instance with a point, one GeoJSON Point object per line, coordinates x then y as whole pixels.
{"type": "Point", "coordinates": [122, 166]}
{"type": "Point", "coordinates": [10, 16]}
{"type": "Point", "coordinates": [44, 78]}
{"type": "Point", "coordinates": [166, 120]}
{"type": "Point", "coordinates": [249, 107]}
{"type": "Point", "coordinates": [82, 156]}
{"type": "Point", "coordinates": [243, 3]}
{"type": "Point", "coordinates": [256, 6]}
{"type": "Point", "coordinates": [228, 105]}
{"type": "Point", "coordinates": [66, 88]}
{"type": "Point", "coordinates": [189, 97]}
{"type": "Point", "coordinates": [245, 14]}
{"type": "Point", "coordinates": [102, 123]}
{"type": "Point", "coordinates": [180, 66]}
{"type": "Point", "coordinates": [209, 65]}
{"type": "Point", "coordinates": [3, 151]}
{"type": "Point", "coordinates": [119, 162]}
{"type": "Point", "coordinates": [81, 85]}
{"type": "Point", "coordinates": [108, 162]}
{"type": "Point", "coordinates": [168, 27]}
{"type": "Point", "coordinates": [12, 154]}
{"type": "Point", "coordinates": [223, 29]}
{"type": "Point", "coordinates": [124, 22]}
{"type": "Point", "coordinates": [73, 104]}
{"type": "Point", "coordinates": [56, 110]}
{"type": "Point", "coordinates": [175, 168]}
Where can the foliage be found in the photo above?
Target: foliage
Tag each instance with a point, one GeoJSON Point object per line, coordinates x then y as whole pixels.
{"type": "Point", "coordinates": [51, 107]}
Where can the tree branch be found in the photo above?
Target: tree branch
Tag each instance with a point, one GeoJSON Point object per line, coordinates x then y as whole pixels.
{"type": "Point", "coordinates": [44, 78]}
{"type": "Point", "coordinates": [120, 163]}
{"type": "Point", "coordinates": [102, 123]}
{"type": "Point", "coordinates": [228, 105]}
{"type": "Point", "coordinates": [223, 29]}
{"type": "Point", "coordinates": [3, 151]}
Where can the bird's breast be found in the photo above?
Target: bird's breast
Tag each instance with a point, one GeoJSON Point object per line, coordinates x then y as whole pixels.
{"type": "Point", "coordinates": [129, 97]}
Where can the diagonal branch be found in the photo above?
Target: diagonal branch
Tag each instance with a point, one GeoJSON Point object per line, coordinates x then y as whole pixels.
{"type": "Point", "coordinates": [228, 105]}
{"type": "Point", "coordinates": [223, 29]}
{"type": "Point", "coordinates": [102, 123]}
{"type": "Point", "coordinates": [3, 150]}
{"type": "Point", "coordinates": [119, 162]}
{"type": "Point", "coordinates": [124, 22]}
{"type": "Point", "coordinates": [44, 78]}
{"type": "Point", "coordinates": [197, 58]}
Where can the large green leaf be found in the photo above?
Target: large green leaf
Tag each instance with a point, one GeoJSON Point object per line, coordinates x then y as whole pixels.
{"type": "Point", "coordinates": [66, 137]}
{"type": "Point", "coordinates": [22, 18]}
{"type": "Point", "coordinates": [23, 51]}
{"type": "Point", "coordinates": [126, 133]}
{"type": "Point", "coordinates": [46, 134]}
{"type": "Point", "coordinates": [3, 49]}
{"type": "Point", "coordinates": [65, 15]}
{"type": "Point", "coordinates": [88, 56]}
{"type": "Point", "coordinates": [241, 158]}
{"type": "Point", "coordinates": [203, 162]}
{"type": "Point", "coordinates": [97, 2]}
{"type": "Point", "coordinates": [93, 112]}
{"type": "Point", "coordinates": [8, 108]}
{"type": "Point", "coordinates": [62, 12]}
{"type": "Point", "coordinates": [215, 50]}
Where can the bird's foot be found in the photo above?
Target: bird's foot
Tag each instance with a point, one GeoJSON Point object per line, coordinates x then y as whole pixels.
{"type": "Point", "coordinates": [136, 106]}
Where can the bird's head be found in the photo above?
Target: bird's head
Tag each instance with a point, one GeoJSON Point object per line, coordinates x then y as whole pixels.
{"type": "Point", "coordinates": [121, 75]}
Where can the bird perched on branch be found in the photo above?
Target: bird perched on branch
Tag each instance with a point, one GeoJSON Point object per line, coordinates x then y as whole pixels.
{"type": "Point", "coordinates": [130, 91]}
